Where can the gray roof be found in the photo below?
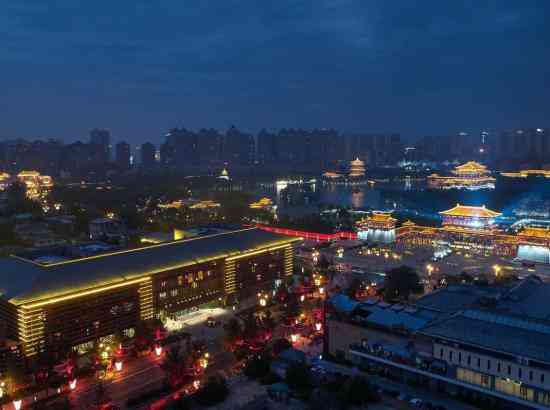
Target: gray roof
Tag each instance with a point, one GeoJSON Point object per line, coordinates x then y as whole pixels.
{"type": "Point", "coordinates": [496, 332]}
{"type": "Point", "coordinates": [455, 297]}
{"type": "Point", "coordinates": [23, 281]}
{"type": "Point", "coordinates": [530, 298]}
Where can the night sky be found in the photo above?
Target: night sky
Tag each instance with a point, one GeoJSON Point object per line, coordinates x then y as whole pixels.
{"type": "Point", "coordinates": [141, 67]}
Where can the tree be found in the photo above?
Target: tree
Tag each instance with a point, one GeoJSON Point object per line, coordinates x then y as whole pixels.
{"type": "Point", "coordinates": [175, 365]}
{"type": "Point", "coordinates": [214, 391]}
{"type": "Point", "coordinates": [101, 395]}
{"type": "Point", "coordinates": [258, 366]}
{"type": "Point", "coordinates": [298, 377]}
{"type": "Point", "coordinates": [357, 391]}
{"type": "Point", "coordinates": [353, 288]}
{"type": "Point", "coordinates": [465, 277]}
{"type": "Point", "coordinates": [280, 345]}
{"type": "Point", "coordinates": [17, 201]}
{"type": "Point", "coordinates": [233, 330]}
{"type": "Point", "coordinates": [323, 263]}
{"type": "Point", "coordinates": [400, 282]}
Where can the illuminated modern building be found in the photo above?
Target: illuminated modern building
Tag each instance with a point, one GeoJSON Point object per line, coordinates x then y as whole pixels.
{"type": "Point", "coordinates": [471, 175]}
{"type": "Point", "coordinates": [357, 169]}
{"type": "Point", "coordinates": [378, 228]}
{"type": "Point", "coordinates": [79, 301]}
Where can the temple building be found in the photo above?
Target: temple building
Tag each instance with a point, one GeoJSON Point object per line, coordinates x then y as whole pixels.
{"type": "Point", "coordinates": [357, 169]}
{"type": "Point", "coordinates": [462, 216]}
{"type": "Point", "coordinates": [265, 204]}
{"type": "Point", "coordinates": [377, 228]}
{"type": "Point", "coordinates": [37, 185]}
{"type": "Point", "coordinates": [534, 245]}
{"type": "Point", "coordinates": [224, 175]}
{"type": "Point", "coordinates": [473, 229]}
{"type": "Point", "coordinates": [471, 175]}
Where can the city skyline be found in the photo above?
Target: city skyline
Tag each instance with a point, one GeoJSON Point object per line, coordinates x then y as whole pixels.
{"type": "Point", "coordinates": [434, 69]}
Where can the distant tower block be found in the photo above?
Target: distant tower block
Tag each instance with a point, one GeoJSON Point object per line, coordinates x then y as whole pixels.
{"type": "Point", "coordinates": [377, 228]}
{"type": "Point", "coordinates": [357, 169]}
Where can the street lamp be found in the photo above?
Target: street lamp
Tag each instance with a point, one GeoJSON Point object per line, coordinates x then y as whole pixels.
{"type": "Point", "coordinates": [118, 365]}
{"type": "Point", "coordinates": [17, 404]}
{"type": "Point", "coordinates": [430, 269]}
{"type": "Point", "coordinates": [497, 269]}
{"type": "Point", "coordinates": [294, 337]}
{"type": "Point", "coordinates": [302, 298]}
{"type": "Point", "coordinates": [318, 326]}
{"type": "Point", "coordinates": [158, 350]}
{"type": "Point", "coordinates": [72, 384]}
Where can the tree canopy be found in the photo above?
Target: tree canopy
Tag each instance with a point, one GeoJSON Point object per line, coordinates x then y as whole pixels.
{"type": "Point", "coordinates": [401, 282]}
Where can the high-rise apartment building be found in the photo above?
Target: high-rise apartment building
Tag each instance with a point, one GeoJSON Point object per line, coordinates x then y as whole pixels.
{"type": "Point", "coordinates": [148, 155]}
{"type": "Point", "coordinates": [102, 138]}
{"type": "Point", "coordinates": [122, 155]}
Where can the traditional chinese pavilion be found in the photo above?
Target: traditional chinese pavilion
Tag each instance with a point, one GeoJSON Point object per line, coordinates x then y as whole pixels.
{"type": "Point", "coordinates": [379, 227]}
{"type": "Point", "coordinates": [471, 175]}
{"type": "Point", "coordinates": [462, 216]}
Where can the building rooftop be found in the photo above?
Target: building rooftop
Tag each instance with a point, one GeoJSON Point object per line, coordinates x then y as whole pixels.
{"type": "Point", "coordinates": [529, 298]}
{"type": "Point", "coordinates": [470, 166]}
{"type": "Point", "coordinates": [23, 281]}
{"type": "Point", "coordinates": [515, 336]}
{"type": "Point", "coordinates": [470, 211]}
{"type": "Point", "coordinates": [456, 297]}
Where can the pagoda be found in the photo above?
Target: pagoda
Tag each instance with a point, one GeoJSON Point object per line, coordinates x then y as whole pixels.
{"type": "Point", "coordinates": [357, 169]}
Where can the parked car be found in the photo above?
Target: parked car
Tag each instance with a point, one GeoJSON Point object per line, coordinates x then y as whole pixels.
{"type": "Point", "coordinates": [418, 403]}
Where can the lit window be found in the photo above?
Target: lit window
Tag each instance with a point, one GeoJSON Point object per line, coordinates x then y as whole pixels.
{"type": "Point", "coordinates": [163, 284]}
{"type": "Point", "coordinates": [180, 280]}
{"type": "Point", "coordinates": [174, 292]}
{"type": "Point", "coordinates": [189, 278]}
{"type": "Point", "coordinates": [162, 295]}
{"type": "Point", "coordinates": [200, 275]}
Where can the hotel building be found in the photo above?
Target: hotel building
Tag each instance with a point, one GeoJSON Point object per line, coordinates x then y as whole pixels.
{"type": "Point", "coordinates": [471, 175]}
{"type": "Point", "coordinates": [79, 301]}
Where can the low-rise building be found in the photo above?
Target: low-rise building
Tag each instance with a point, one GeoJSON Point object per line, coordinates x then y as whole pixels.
{"type": "Point", "coordinates": [467, 340]}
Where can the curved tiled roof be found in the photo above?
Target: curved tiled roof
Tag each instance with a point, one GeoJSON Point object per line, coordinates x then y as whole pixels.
{"type": "Point", "coordinates": [470, 211]}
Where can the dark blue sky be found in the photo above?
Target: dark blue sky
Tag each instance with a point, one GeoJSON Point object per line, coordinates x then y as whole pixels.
{"type": "Point", "coordinates": [140, 67]}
